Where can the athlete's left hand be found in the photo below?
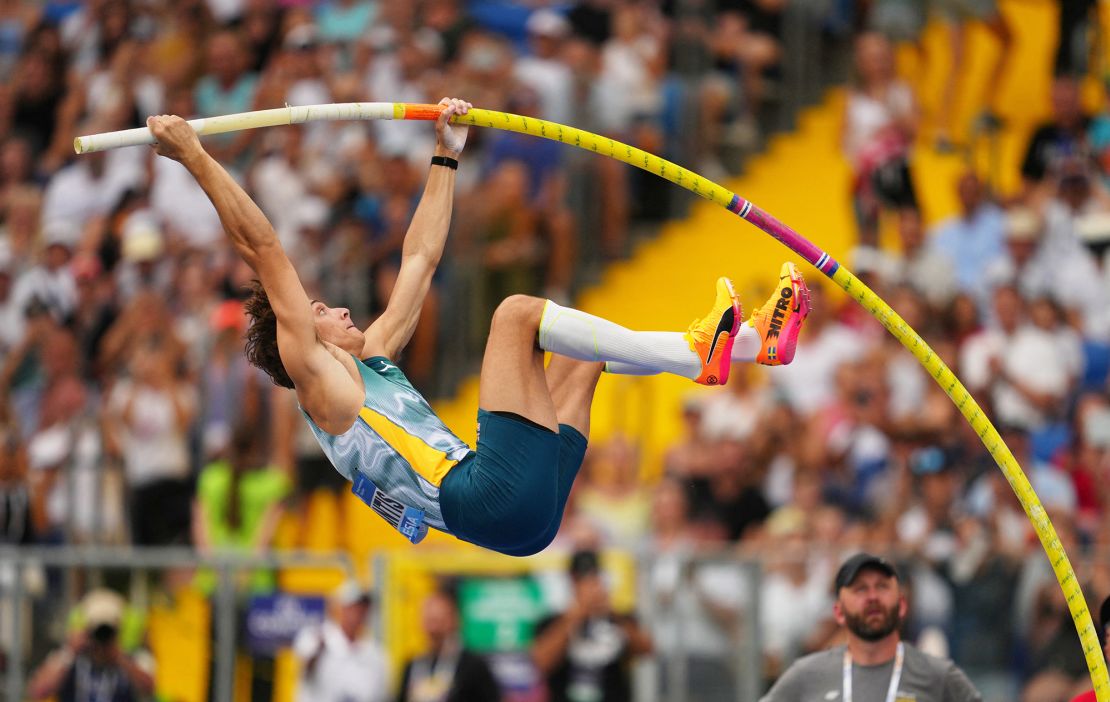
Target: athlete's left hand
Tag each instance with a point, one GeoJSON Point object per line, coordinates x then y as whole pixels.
{"type": "Point", "coordinates": [451, 138]}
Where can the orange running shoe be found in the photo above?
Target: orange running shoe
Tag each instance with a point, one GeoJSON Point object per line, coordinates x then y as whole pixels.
{"type": "Point", "coordinates": [780, 319]}
{"type": "Point", "coordinates": [711, 336]}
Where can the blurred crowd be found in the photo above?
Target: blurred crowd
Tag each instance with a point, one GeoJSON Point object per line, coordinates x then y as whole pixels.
{"type": "Point", "coordinates": [121, 331]}
{"type": "Point", "coordinates": [854, 446]}
{"type": "Point", "coordinates": [129, 414]}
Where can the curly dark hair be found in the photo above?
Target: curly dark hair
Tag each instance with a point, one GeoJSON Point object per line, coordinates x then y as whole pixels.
{"type": "Point", "coordinates": [261, 347]}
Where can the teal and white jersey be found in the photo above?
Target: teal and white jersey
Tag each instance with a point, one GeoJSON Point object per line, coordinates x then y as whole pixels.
{"type": "Point", "coordinates": [397, 452]}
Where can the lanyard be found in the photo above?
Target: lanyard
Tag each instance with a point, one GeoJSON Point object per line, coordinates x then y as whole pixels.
{"type": "Point", "coordinates": [895, 675]}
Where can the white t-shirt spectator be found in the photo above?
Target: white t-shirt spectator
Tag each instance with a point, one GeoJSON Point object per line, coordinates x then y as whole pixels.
{"type": "Point", "coordinates": [345, 671]}
{"type": "Point", "coordinates": [726, 415]}
{"type": "Point", "coordinates": [1030, 354]}
{"type": "Point", "coordinates": [868, 117]}
{"type": "Point", "coordinates": [631, 88]}
{"type": "Point", "coordinates": [808, 382]}
{"type": "Point", "coordinates": [181, 206]}
{"type": "Point", "coordinates": [789, 611]}
{"type": "Point", "coordinates": [553, 82]}
{"type": "Point", "coordinates": [75, 194]}
{"type": "Point", "coordinates": [154, 447]}
{"type": "Point", "coordinates": [56, 289]}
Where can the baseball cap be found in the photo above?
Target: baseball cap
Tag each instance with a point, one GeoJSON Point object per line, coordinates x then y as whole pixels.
{"type": "Point", "coordinates": [228, 315]}
{"type": "Point", "coordinates": [547, 23]}
{"type": "Point", "coordinates": [301, 37]}
{"type": "Point", "coordinates": [61, 232]}
{"type": "Point", "coordinates": [351, 592]}
{"type": "Point", "coordinates": [1093, 229]}
{"type": "Point", "coordinates": [857, 563]}
{"type": "Point", "coordinates": [102, 608]}
{"type": "Point", "coordinates": [929, 460]}
{"type": "Point", "coordinates": [1023, 224]}
{"type": "Point", "coordinates": [584, 563]}
{"type": "Point", "coordinates": [142, 238]}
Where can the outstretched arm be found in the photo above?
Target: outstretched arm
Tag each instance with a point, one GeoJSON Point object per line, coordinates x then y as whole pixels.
{"type": "Point", "coordinates": [424, 241]}
{"type": "Point", "coordinates": [304, 357]}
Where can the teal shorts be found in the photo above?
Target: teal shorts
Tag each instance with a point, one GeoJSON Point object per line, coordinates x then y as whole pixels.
{"type": "Point", "coordinates": [509, 495]}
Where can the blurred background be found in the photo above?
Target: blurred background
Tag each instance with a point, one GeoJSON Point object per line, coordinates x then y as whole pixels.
{"type": "Point", "coordinates": [167, 515]}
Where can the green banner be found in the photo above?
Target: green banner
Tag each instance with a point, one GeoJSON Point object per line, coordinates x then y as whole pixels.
{"type": "Point", "coordinates": [499, 614]}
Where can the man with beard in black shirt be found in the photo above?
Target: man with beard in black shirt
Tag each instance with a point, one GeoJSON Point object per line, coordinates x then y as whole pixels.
{"type": "Point", "coordinates": [586, 652]}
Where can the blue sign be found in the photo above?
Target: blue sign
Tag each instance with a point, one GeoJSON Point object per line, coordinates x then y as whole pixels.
{"type": "Point", "coordinates": [274, 620]}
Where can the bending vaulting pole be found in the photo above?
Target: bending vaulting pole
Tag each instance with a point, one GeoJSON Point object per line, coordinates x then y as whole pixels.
{"type": "Point", "coordinates": [709, 190]}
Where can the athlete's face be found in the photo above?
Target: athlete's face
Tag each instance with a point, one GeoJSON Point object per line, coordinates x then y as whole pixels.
{"type": "Point", "coordinates": [871, 606]}
{"type": "Point", "coordinates": [335, 326]}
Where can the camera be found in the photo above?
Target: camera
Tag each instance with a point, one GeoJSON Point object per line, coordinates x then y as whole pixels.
{"type": "Point", "coordinates": [103, 634]}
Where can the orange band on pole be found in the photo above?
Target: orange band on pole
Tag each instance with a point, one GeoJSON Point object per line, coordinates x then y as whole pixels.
{"type": "Point", "coordinates": [417, 111]}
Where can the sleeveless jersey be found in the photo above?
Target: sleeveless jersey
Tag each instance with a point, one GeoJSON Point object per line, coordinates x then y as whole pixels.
{"type": "Point", "coordinates": [397, 452]}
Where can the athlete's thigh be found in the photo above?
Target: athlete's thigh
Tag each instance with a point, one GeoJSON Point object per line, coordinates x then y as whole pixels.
{"type": "Point", "coordinates": [572, 384]}
{"type": "Point", "coordinates": [512, 378]}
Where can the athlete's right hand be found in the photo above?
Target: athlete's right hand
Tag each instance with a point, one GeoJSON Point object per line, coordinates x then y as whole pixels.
{"type": "Point", "coordinates": [452, 137]}
{"type": "Point", "coordinates": [175, 138]}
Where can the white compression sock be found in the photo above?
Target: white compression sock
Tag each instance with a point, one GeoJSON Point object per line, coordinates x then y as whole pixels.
{"type": "Point", "coordinates": [745, 347]}
{"type": "Point", "coordinates": [573, 333]}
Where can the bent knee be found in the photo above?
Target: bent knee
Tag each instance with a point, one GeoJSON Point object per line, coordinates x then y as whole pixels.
{"type": "Point", "coordinates": [519, 311]}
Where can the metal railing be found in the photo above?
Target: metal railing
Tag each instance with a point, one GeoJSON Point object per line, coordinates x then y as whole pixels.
{"type": "Point", "coordinates": [678, 626]}
{"type": "Point", "coordinates": [138, 561]}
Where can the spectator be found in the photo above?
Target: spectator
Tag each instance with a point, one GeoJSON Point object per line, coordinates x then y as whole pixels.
{"type": "Point", "coordinates": [38, 88]}
{"type": "Point", "coordinates": [89, 188]}
{"type": "Point", "coordinates": [231, 391]}
{"type": "Point", "coordinates": [735, 412]}
{"type": "Point", "coordinates": [793, 598]}
{"type": "Point", "coordinates": [345, 20]}
{"type": "Point", "coordinates": [448, 672]}
{"type": "Point", "coordinates": [1103, 637]}
{"type": "Point", "coordinates": [1054, 487]}
{"type": "Point", "coordinates": [338, 662]}
{"type": "Point", "coordinates": [870, 605]}
{"type": "Point", "coordinates": [926, 271]}
{"type": "Point", "coordinates": [229, 86]}
{"type": "Point", "coordinates": [611, 495]}
{"type": "Point", "coordinates": [237, 507]}
{"type": "Point", "coordinates": [808, 384]}
{"type": "Point", "coordinates": [542, 69]}
{"type": "Point", "coordinates": [1061, 138]}
{"type": "Point", "coordinates": [1017, 365]}
{"type": "Point", "coordinates": [11, 317]}
{"type": "Point", "coordinates": [587, 651]}
{"type": "Point", "coordinates": [146, 423]}
{"type": "Point", "coordinates": [732, 495]}
{"type": "Point", "coordinates": [880, 123]}
{"type": "Point", "coordinates": [239, 501]}
{"type": "Point", "coordinates": [55, 447]}
{"type": "Point", "coordinates": [974, 238]}
{"type": "Point", "coordinates": [21, 510]}
{"type": "Point", "coordinates": [180, 206]}
{"type": "Point", "coordinates": [92, 666]}
{"type": "Point", "coordinates": [50, 283]}
{"type": "Point", "coordinates": [548, 217]}
{"type": "Point", "coordinates": [145, 267]}
{"type": "Point", "coordinates": [698, 605]}
{"type": "Point", "coordinates": [690, 456]}
{"type": "Point", "coordinates": [1023, 263]}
